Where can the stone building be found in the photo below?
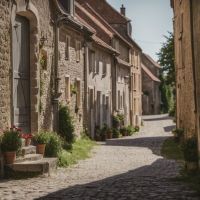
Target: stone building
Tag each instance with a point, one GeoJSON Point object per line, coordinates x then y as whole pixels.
{"type": "Point", "coordinates": [99, 57]}
{"type": "Point", "coordinates": [184, 64]}
{"type": "Point", "coordinates": [151, 99]}
{"type": "Point", "coordinates": [25, 31]}
{"type": "Point", "coordinates": [126, 98]}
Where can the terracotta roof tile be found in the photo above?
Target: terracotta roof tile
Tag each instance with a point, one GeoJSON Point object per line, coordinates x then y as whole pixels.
{"type": "Point", "coordinates": [122, 62]}
{"type": "Point", "coordinates": [148, 72]}
{"type": "Point", "coordinates": [152, 60]}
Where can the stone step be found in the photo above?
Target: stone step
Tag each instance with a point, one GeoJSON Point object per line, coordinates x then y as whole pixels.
{"type": "Point", "coordinates": [45, 165]}
{"type": "Point", "coordinates": [29, 157]}
{"type": "Point", "coordinates": [28, 150]}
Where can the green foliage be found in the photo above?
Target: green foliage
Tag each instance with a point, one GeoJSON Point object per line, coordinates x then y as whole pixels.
{"type": "Point", "coordinates": [166, 58]}
{"type": "Point", "coordinates": [54, 145]}
{"type": "Point", "coordinates": [137, 128]}
{"type": "Point", "coordinates": [116, 133]}
{"type": "Point", "coordinates": [190, 149]}
{"type": "Point", "coordinates": [118, 120]}
{"type": "Point", "coordinates": [80, 150]}
{"type": "Point", "coordinates": [11, 141]}
{"type": "Point", "coordinates": [168, 78]}
{"type": "Point", "coordinates": [178, 132]}
{"type": "Point", "coordinates": [66, 125]}
{"type": "Point", "coordinates": [130, 130]}
{"type": "Point", "coordinates": [41, 138]}
{"type": "Point", "coordinates": [171, 150]}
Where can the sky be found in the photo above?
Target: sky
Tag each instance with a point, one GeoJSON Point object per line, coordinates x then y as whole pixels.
{"type": "Point", "coordinates": [151, 20]}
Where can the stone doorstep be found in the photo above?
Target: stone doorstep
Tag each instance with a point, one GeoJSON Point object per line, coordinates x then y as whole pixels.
{"type": "Point", "coordinates": [29, 157]}
{"type": "Point", "coordinates": [45, 165]}
{"type": "Point", "coordinates": [28, 150]}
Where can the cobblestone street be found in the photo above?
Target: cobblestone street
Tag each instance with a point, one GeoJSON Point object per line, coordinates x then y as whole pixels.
{"type": "Point", "coordinates": [128, 168]}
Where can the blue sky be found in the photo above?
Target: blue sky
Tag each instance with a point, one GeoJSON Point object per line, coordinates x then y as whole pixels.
{"type": "Point", "coordinates": [151, 20]}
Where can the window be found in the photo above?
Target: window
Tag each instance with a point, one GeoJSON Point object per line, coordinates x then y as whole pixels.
{"type": "Point", "coordinates": [96, 68]}
{"type": "Point", "coordinates": [67, 46]}
{"type": "Point", "coordinates": [91, 98]}
{"type": "Point", "coordinates": [116, 45]}
{"type": "Point", "coordinates": [78, 96]}
{"type": "Point", "coordinates": [104, 68]}
{"type": "Point", "coordinates": [134, 82]}
{"type": "Point", "coordinates": [67, 88]}
{"type": "Point", "coordinates": [78, 51]}
{"type": "Point", "coordinates": [91, 60]}
{"type": "Point", "coordinates": [118, 100]}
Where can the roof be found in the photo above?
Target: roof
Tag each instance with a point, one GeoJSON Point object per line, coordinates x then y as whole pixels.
{"type": "Point", "coordinates": [103, 44]}
{"type": "Point", "coordinates": [122, 62]}
{"type": "Point", "coordinates": [149, 73]}
{"type": "Point", "coordinates": [152, 60]}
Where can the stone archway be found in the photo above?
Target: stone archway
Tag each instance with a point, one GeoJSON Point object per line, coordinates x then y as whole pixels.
{"type": "Point", "coordinates": [27, 9]}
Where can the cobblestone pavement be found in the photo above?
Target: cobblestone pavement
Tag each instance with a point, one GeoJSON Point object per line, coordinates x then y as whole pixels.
{"type": "Point", "coordinates": [124, 169]}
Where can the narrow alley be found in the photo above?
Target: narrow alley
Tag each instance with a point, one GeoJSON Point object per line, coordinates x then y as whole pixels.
{"type": "Point", "coordinates": [128, 168]}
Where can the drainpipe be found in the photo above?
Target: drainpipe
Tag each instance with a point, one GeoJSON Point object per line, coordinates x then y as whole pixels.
{"type": "Point", "coordinates": [194, 77]}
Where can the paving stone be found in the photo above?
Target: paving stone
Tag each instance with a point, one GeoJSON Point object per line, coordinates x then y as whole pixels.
{"type": "Point", "coordinates": [130, 168]}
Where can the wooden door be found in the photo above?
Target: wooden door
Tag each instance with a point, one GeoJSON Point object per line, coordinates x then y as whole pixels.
{"type": "Point", "coordinates": [21, 74]}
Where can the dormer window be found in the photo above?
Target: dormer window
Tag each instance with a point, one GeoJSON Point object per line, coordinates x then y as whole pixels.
{"type": "Point", "coordinates": [67, 6]}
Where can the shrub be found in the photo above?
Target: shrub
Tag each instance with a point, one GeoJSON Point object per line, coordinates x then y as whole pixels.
{"type": "Point", "coordinates": [178, 134]}
{"type": "Point", "coordinates": [130, 130]}
{"type": "Point", "coordinates": [123, 131]}
{"type": "Point", "coordinates": [41, 138]}
{"type": "Point", "coordinates": [66, 126]}
{"type": "Point", "coordinates": [54, 145]}
{"type": "Point", "coordinates": [118, 120]}
{"type": "Point", "coordinates": [190, 150]}
{"type": "Point", "coordinates": [137, 128]}
{"type": "Point", "coordinates": [11, 141]}
{"type": "Point", "coordinates": [116, 133]}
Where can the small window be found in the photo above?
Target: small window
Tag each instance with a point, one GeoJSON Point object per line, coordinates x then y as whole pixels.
{"type": "Point", "coordinates": [78, 96]}
{"type": "Point", "coordinates": [91, 60]}
{"type": "Point", "coordinates": [78, 51]}
{"type": "Point", "coordinates": [67, 6]}
{"type": "Point", "coordinates": [67, 88]}
{"type": "Point", "coordinates": [96, 68]}
{"type": "Point", "coordinates": [91, 99]}
{"type": "Point", "coordinates": [119, 100]}
{"type": "Point", "coordinates": [67, 47]}
{"type": "Point", "coordinates": [104, 68]}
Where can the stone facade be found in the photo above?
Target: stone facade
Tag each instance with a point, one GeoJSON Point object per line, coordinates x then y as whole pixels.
{"type": "Point", "coordinates": [151, 99]}
{"type": "Point", "coordinates": [5, 54]}
{"type": "Point", "coordinates": [185, 83]}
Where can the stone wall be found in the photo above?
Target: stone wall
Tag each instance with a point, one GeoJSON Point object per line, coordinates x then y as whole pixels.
{"type": "Point", "coordinates": [184, 67]}
{"type": "Point", "coordinates": [5, 64]}
{"type": "Point", "coordinates": [74, 70]}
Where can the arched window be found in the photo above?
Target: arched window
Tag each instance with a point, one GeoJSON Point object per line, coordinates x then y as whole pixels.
{"type": "Point", "coordinates": [67, 6]}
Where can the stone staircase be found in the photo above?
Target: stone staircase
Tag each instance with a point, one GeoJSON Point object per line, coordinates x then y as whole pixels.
{"type": "Point", "coordinates": [30, 161]}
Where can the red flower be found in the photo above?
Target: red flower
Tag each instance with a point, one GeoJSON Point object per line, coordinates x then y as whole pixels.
{"type": "Point", "coordinates": [26, 136]}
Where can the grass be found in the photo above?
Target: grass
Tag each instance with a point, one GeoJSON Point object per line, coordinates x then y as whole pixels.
{"type": "Point", "coordinates": [80, 150]}
{"type": "Point", "coordinates": [172, 150]}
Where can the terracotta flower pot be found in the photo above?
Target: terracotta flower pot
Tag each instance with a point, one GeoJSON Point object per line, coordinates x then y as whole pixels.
{"type": "Point", "coordinates": [27, 141]}
{"type": "Point", "coordinates": [109, 135]}
{"type": "Point", "coordinates": [10, 157]}
{"type": "Point", "coordinates": [41, 148]}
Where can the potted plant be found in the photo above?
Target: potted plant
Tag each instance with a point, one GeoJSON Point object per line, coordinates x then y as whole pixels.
{"type": "Point", "coordinates": [115, 133]}
{"type": "Point", "coordinates": [109, 133]}
{"type": "Point", "coordinates": [27, 138]}
{"type": "Point", "coordinates": [190, 152]}
{"type": "Point", "coordinates": [104, 132]}
{"type": "Point", "coordinates": [137, 128]}
{"type": "Point", "coordinates": [97, 133]}
{"type": "Point", "coordinates": [11, 144]}
{"type": "Point", "coordinates": [123, 131]}
{"type": "Point", "coordinates": [41, 139]}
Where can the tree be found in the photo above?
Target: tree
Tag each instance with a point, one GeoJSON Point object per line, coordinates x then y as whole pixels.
{"type": "Point", "coordinates": [166, 59]}
{"type": "Point", "coordinates": [168, 78]}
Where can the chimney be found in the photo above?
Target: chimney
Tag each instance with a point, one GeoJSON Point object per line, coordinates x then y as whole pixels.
{"type": "Point", "coordinates": [123, 10]}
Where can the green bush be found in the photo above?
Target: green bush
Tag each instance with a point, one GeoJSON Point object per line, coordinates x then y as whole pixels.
{"type": "Point", "coordinates": [11, 141]}
{"type": "Point", "coordinates": [137, 128]}
{"type": "Point", "coordinates": [130, 130]}
{"type": "Point", "coordinates": [66, 126]}
{"type": "Point", "coordinates": [41, 138]}
{"type": "Point", "coordinates": [116, 133]}
{"type": "Point", "coordinates": [190, 149]}
{"type": "Point", "coordinates": [54, 145]}
{"type": "Point", "coordinates": [118, 120]}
